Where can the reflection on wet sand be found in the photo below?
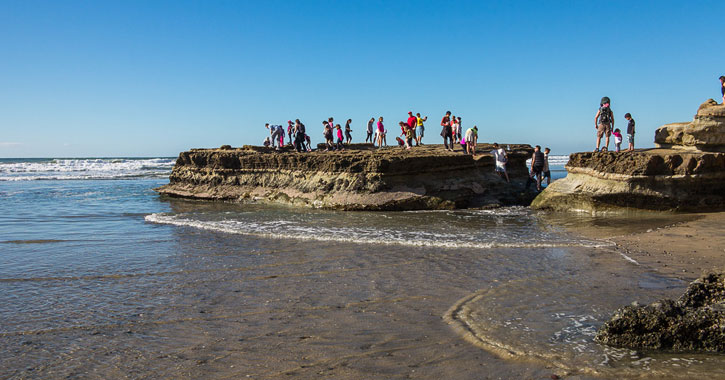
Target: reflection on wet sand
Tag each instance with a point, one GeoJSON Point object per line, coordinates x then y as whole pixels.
{"type": "Point", "coordinates": [211, 304]}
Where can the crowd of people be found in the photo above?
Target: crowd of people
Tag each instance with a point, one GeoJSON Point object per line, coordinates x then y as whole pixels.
{"type": "Point", "coordinates": [411, 134]}
{"type": "Point", "coordinates": [412, 131]}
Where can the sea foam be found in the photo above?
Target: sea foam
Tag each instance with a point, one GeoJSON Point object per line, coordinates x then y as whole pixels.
{"type": "Point", "coordinates": [84, 168]}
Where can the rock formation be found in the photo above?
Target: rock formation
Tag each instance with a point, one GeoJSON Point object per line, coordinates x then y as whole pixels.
{"type": "Point", "coordinates": [359, 178]}
{"type": "Point", "coordinates": [687, 172]}
{"type": "Point", "coordinates": [695, 322]}
{"type": "Point", "coordinates": [706, 132]}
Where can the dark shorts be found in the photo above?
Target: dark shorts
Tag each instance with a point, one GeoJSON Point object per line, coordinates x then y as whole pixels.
{"type": "Point", "coordinates": [547, 174]}
{"type": "Point", "coordinates": [537, 169]}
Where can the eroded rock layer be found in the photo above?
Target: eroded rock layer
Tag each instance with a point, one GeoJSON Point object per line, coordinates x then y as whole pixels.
{"type": "Point", "coordinates": [653, 179]}
{"type": "Point", "coordinates": [706, 132]}
{"type": "Point", "coordinates": [687, 172]}
{"type": "Point", "coordinates": [359, 178]}
{"type": "Point", "coordinates": [694, 322]}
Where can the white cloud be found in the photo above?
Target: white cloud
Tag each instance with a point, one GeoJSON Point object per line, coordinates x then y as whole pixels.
{"type": "Point", "coordinates": [9, 144]}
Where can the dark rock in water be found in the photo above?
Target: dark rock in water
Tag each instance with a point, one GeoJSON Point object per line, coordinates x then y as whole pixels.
{"type": "Point", "coordinates": [695, 322]}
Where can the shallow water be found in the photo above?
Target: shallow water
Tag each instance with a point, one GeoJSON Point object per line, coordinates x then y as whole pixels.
{"type": "Point", "coordinates": [105, 279]}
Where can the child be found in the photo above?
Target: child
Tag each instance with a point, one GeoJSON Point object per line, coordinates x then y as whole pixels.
{"type": "Point", "coordinates": [339, 137]}
{"type": "Point", "coordinates": [405, 133]}
{"type": "Point", "coordinates": [630, 131]}
{"type": "Point", "coordinates": [290, 131]}
{"type": "Point", "coordinates": [348, 130]}
{"type": "Point", "coordinates": [617, 139]}
{"type": "Point", "coordinates": [400, 141]}
{"type": "Point", "coordinates": [454, 130]}
{"type": "Point", "coordinates": [547, 173]}
{"type": "Point", "coordinates": [370, 131]}
{"type": "Point", "coordinates": [309, 143]}
{"type": "Point", "coordinates": [381, 133]}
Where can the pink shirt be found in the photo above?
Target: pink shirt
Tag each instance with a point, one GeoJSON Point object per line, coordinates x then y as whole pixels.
{"type": "Point", "coordinates": [381, 128]}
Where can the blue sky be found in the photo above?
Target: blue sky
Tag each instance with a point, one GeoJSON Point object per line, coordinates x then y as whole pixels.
{"type": "Point", "coordinates": [152, 78]}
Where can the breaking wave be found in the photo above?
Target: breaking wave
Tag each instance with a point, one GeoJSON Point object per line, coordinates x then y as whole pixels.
{"type": "Point", "coordinates": [84, 168]}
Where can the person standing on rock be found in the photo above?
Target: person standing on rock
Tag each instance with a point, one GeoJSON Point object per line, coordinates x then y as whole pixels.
{"type": "Point", "coordinates": [630, 131]}
{"type": "Point", "coordinates": [339, 145]}
{"type": "Point", "coordinates": [412, 121]}
{"type": "Point", "coordinates": [290, 132]}
{"type": "Point", "coordinates": [381, 133]}
{"type": "Point", "coordinates": [275, 133]}
{"type": "Point", "coordinates": [421, 129]}
{"type": "Point", "coordinates": [537, 167]}
{"type": "Point", "coordinates": [446, 132]}
{"type": "Point", "coordinates": [348, 131]}
{"type": "Point", "coordinates": [471, 140]}
{"type": "Point", "coordinates": [299, 135]}
{"type": "Point", "coordinates": [547, 172]}
{"type": "Point", "coordinates": [500, 157]}
{"type": "Point", "coordinates": [722, 87]}
{"type": "Point", "coordinates": [370, 131]}
{"type": "Point", "coordinates": [454, 128]}
{"type": "Point", "coordinates": [604, 123]}
{"type": "Point", "coordinates": [327, 132]}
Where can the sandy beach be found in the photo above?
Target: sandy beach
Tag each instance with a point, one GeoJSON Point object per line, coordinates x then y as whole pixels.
{"type": "Point", "coordinates": [683, 249]}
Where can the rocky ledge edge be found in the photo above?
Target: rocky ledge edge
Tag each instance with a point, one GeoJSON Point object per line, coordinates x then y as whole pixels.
{"type": "Point", "coordinates": [653, 179]}
{"type": "Point", "coordinates": [694, 322]}
{"type": "Point", "coordinates": [358, 178]}
{"type": "Point", "coordinates": [686, 173]}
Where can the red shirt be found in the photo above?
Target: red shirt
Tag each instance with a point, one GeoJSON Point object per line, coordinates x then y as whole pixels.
{"type": "Point", "coordinates": [446, 121]}
{"type": "Point", "coordinates": [412, 121]}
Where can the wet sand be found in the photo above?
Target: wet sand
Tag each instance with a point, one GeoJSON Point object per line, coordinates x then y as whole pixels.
{"type": "Point", "coordinates": [682, 249]}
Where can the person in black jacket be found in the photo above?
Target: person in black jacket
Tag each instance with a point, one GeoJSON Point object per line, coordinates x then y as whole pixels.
{"type": "Point", "coordinates": [537, 167]}
{"type": "Point", "coordinates": [299, 135]}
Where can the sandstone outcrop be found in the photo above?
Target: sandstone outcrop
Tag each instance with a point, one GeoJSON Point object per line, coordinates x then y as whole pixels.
{"type": "Point", "coordinates": [688, 175]}
{"type": "Point", "coordinates": [705, 133]}
{"type": "Point", "coordinates": [358, 178]}
{"type": "Point", "coordinates": [694, 322]}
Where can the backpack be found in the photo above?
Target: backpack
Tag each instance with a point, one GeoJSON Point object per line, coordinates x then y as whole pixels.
{"type": "Point", "coordinates": [605, 115]}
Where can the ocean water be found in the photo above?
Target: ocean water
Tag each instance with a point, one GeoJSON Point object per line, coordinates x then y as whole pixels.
{"type": "Point", "coordinates": [100, 277]}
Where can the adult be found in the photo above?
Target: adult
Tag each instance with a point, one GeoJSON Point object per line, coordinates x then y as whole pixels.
{"type": "Point", "coordinates": [420, 130]}
{"type": "Point", "coordinates": [446, 131]}
{"type": "Point", "coordinates": [500, 157]}
{"type": "Point", "coordinates": [381, 133]}
{"type": "Point", "coordinates": [722, 87]}
{"type": "Point", "coordinates": [471, 140]}
{"type": "Point", "coordinates": [604, 123]}
{"type": "Point", "coordinates": [370, 131]}
{"type": "Point", "coordinates": [327, 132]}
{"type": "Point", "coordinates": [276, 132]}
{"type": "Point", "coordinates": [299, 135]}
{"type": "Point", "coordinates": [348, 132]}
{"type": "Point", "coordinates": [412, 121]}
{"type": "Point", "coordinates": [537, 167]}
